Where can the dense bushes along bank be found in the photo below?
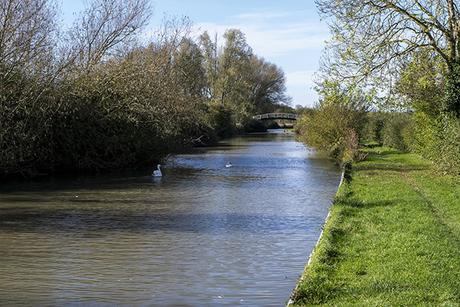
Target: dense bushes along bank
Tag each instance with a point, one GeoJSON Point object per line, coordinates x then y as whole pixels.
{"type": "Point", "coordinates": [393, 237]}
{"type": "Point", "coordinates": [328, 129]}
{"type": "Point", "coordinates": [344, 120]}
{"type": "Point", "coordinates": [95, 97]}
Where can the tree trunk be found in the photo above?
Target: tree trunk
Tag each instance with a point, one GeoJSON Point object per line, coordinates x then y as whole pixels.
{"type": "Point", "coordinates": [452, 99]}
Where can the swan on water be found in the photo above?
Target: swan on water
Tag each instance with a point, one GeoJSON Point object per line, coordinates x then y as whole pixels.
{"type": "Point", "coordinates": [157, 172]}
{"type": "Point", "coordinates": [229, 164]}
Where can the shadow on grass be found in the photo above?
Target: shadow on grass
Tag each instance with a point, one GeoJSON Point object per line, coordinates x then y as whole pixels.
{"type": "Point", "coordinates": [388, 151]}
{"type": "Point", "coordinates": [375, 149]}
{"type": "Point", "coordinates": [387, 159]}
{"type": "Point", "coordinates": [355, 203]}
{"type": "Point", "coordinates": [395, 167]}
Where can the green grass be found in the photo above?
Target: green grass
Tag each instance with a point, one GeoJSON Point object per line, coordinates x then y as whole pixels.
{"type": "Point", "coordinates": [393, 238]}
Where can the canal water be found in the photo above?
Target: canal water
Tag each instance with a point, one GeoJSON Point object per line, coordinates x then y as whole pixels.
{"type": "Point", "coordinates": [202, 235]}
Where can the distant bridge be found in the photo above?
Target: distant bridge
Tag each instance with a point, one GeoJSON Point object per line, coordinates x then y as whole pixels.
{"type": "Point", "coordinates": [290, 116]}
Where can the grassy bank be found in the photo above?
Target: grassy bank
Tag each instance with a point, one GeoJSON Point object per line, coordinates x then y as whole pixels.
{"type": "Point", "coordinates": [393, 238]}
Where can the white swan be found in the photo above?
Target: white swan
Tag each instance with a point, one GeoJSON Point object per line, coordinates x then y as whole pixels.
{"type": "Point", "coordinates": [228, 165]}
{"type": "Point", "coordinates": [157, 172]}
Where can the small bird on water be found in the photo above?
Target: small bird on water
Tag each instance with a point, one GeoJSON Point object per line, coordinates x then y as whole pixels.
{"type": "Point", "coordinates": [228, 165]}
{"type": "Point", "coordinates": [157, 172]}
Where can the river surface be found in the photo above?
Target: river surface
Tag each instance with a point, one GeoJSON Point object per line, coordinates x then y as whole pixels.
{"type": "Point", "coordinates": [202, 235]}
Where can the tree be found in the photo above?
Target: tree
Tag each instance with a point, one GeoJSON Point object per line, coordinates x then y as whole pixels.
{"type": "Point", "coordinates": [372, 38]}
{"type": "Point", "coordinates": [210, 61]}
{"type": "Point", "coordinates": [104, 26]}
{"type": "Point", "coordinates": [336, 124]}
{"type": "Point", "coordinates": [268, 85]}
{"type": "Point", "coordinates": [190, 68]}
{"type": "Point", "coordinates": [27, 33]}
{"type": "Point", "coordinates": [421, 83]}
{"type": "Point", "coordinates": [232, 86]}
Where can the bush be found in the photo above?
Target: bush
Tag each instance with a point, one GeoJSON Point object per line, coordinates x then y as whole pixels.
{"type": "Point", "coordinates": [221, 119]}
{"type": "Point", "coordinates": [394, 128]}
{"type": "Point", "coordinates": [334, 128]}
{"type": "Point", "coordinates": [421, 135]}
{"type": "Point", "coordinates": [449, 147]}
{"type": "Point", "coordinates": [391, 129]}
{"type": "Point", "coordinates": [373, 131]}
{"type": "Point", "coordinates": [437, 139]}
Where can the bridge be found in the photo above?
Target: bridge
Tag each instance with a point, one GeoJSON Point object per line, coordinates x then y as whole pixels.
{"type": "Point", "coordinates": [290, 116]}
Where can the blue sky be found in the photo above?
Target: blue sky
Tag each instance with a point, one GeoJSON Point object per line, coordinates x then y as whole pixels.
{"type": "Point", "coordinates": [288, 33]}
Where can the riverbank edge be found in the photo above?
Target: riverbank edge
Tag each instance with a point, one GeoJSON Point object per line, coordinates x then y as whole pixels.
{"type": "Point", "coordinates": [392, 237]}
{"type": "Point", "coordinates": [57, 172]}
{"type": "Point", "coordinates": [40, 174]}
{"type": "Point", "coordinates": [291, 301]}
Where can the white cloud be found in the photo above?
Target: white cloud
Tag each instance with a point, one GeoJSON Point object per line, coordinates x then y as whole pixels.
{"type": "Point", "coordinates": [275, 39]}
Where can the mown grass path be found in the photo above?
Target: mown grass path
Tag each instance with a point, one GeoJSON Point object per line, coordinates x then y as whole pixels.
{"type": "Point", "coordinates": [393, 238]}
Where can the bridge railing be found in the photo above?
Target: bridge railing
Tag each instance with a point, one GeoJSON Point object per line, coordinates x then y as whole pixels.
{"type": "Point", "coordinates": [276, 116]}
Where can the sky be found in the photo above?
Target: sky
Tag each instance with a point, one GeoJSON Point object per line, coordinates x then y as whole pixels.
{"type": "Point", "coordinates": [288, 33]}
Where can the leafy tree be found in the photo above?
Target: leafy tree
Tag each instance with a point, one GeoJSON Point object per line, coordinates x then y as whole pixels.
{"type": "Point", "coordinates": [421, 83]}
{"type": "Point", "coordinates": [268, 86]}
{"type": "Point", "coordinates": [210, 61]}
{"type": "Point", "coordinates": [336, 125]}
{"type": "Point", "coordinates": [241, 81]}
{"type": "Point", "coordinates": [430, 131]}
{"type": "Point", "coordinates": [190, 67]}
{"type": "Point", "coordinates": [373, 38]}
{"type": "Point", "coordinates": [232, 86]}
